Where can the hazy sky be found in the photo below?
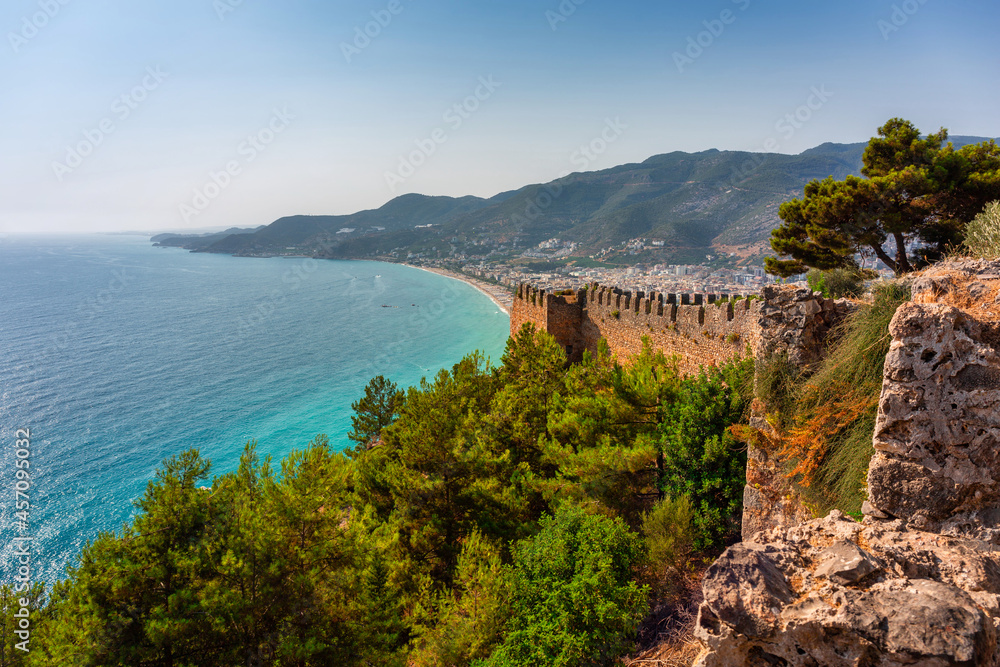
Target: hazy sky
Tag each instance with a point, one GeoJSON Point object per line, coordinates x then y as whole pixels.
{"type": "Point", "coordinates": [153, 115]}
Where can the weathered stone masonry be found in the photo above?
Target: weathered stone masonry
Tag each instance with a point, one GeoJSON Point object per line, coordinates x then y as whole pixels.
{"type": "Point", "coordinates": [703, 330]}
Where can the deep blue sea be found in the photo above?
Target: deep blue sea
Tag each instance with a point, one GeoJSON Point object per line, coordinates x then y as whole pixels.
{"type": "Point", "coordinates": [117, 354]}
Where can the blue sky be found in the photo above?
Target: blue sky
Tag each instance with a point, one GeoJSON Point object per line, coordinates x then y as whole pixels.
{"type": "Point", "coordinates": [207, 113]}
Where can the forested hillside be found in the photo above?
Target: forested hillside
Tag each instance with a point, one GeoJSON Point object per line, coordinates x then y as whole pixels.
{"type": "Point", "coordinates": [528, 514]}
{"type": "Point", "coordinates": [690, 201]}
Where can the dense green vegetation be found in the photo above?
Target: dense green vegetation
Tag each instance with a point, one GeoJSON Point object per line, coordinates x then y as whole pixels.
{"type": "Point", "coordinates": [916, 190]}
{"type": "Point", "coordinates": [527, 514]}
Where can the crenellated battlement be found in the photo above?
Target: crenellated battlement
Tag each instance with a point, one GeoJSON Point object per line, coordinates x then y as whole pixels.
{"type": "Point", "coordinates": [702, 329]}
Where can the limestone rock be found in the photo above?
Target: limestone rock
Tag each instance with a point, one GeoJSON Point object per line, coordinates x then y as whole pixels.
{"type": "Point", "coordinates": [918, 583]}
{"type": "Point", "coordinates": [938, 428]}
{"type": "Point", "coordinates": [832, 592]}
{"type": "Point", "coordinates": [845, 563]}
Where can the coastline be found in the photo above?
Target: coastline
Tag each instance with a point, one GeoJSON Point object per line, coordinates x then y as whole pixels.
{"type": "Point", "coordinates": [498, 295]}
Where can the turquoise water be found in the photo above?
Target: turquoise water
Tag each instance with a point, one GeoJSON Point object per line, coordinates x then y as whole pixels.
{"type": "Point", "coordinates": [117, 354]}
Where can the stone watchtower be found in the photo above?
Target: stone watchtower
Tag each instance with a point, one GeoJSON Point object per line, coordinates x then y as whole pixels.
{"type": "Point", "coordinates": [560, 314]}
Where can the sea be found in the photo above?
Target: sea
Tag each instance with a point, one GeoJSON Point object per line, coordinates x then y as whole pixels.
{"type": "Point", "coordinates": [115, 354]}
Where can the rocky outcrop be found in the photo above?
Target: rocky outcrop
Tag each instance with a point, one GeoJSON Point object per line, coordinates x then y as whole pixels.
{"type": "Point", "coordinates": [833, 592]}
{"type": "Point", "coordinates": [937, 438]}
{"type": "Point", "coordinates": [918, 582]}
{"type": "Point", "coordinates": [794, 324]}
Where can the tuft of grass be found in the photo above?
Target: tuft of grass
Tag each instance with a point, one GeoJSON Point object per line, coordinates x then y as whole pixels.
{"type": "Point", "coordinates": [775, 381]}
{"type": "Point", "coordinates": [829, 441]}
{"type": "Point", "coordinates": [982, 235]}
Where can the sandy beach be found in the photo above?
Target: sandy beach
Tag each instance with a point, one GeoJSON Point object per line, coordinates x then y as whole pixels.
{"type": "Point", "coordinates": [497, 294]}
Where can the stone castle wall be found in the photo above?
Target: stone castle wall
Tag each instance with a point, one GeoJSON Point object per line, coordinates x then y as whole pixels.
{"type": "Point", "coordinates": [702, 330]}
{"type": "Point", "coordinates": [560, 315]}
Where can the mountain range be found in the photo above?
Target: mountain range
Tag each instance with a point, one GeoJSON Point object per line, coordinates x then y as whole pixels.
{"type": "Point", "coordinates": [689, 204]}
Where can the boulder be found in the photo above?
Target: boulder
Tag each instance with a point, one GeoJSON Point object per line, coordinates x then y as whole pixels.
{"type": "Point", "coordinates": [833, 592]}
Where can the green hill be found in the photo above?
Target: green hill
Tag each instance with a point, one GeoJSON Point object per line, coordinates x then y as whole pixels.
{"type": "Point", "coordinates": [694, 203]}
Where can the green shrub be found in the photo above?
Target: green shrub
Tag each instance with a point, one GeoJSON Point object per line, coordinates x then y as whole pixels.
{"type": "Point", "coordinates": [616, 314]}
{"type": "Point", "coordinates": [670, 533]}
{"type": "Point", "coordinates": [700, 456]}
{"type": "Point", "coordinates": [837, 283]}
{"type": "Point", "coordinates": [982, 235]}
{"type": "Point", "coordinates": [573, 600]}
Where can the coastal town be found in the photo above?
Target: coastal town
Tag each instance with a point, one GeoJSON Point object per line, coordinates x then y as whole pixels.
{"type": "Point", "coordinates": [551, 266]}
{"type": "Point", "coordinates": [500, 281]}
{"type": "Point", "coordinates": [499, 277]}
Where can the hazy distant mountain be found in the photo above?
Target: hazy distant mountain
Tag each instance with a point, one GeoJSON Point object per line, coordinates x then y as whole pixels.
{"type": "Point", "coordinates": [692, 202]}
{"type": "Point", "coordinates": [199, 241]}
